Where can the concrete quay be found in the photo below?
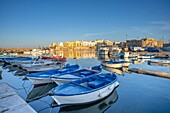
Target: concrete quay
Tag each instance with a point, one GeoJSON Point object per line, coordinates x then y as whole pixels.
{"type": "Point", "coordinates": [158, 54]}
{"type": "Point", "coordinates": [11, 102]}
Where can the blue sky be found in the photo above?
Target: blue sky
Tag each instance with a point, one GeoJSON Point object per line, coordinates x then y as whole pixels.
{"type": "Point", "coordinates": [33, 23]}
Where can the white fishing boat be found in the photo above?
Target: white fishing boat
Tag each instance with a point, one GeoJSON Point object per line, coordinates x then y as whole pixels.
{"type": "Point", "coordinates": [86, 90]}
{"type": "Point", "coordinates": [41, 68]}
{"type": "Point", "coordinates": [146, 56]}
{"type": "Point", "coordinates": [113, 64]}
{"type": "Point", "coordinates": [37, 63]}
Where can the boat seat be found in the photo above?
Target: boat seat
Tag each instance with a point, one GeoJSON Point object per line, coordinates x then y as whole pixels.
{"type": "Point", "coordinates": [96, 84]}
{"type": "Point", "coordinates": [99, 82]}
{"type": "Point", "coordinates": [86, 73]}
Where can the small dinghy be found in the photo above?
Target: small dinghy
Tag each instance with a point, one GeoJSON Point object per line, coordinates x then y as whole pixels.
{"type": "Point", "coordinates": [146, 56]}
{"type": "Point", "coordinates": [45, 77]}
{"type": "Point", "coordinates": [79, 74]}
{"type": "Point", "coordinates": [86, 90]}
{"type": "Point", "coordinates": [113, 64]}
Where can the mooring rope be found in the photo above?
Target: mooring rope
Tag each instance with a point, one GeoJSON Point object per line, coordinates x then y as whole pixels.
{"type": "Point", "coordinates": [19, 88]}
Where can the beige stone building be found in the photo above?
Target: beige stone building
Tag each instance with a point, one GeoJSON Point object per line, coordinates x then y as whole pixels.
{"type": "Point", "coordinates": [146, 42]}
{"type": "Point", "coordinates": [151, 42]}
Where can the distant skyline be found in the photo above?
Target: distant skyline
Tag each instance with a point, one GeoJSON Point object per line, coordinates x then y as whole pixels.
{"type": "Point", "coordinates": [33, 23]}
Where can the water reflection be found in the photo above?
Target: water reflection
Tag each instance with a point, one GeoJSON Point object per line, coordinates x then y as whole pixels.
{"type": "Point", "coordinates": [103, 58]}
{"type": "Point", "coordinates": [97, 107]}
{"type": "Point", "coordinates": [139, 61]}
{"type": "Point", "coordinates": [117, 71]}
{"type": "Point", "coordinates": [0, 74]}
{"type": "Point", "coordinates": [39, 91]}
{"type": "Point", "coordinates": [75, 54]}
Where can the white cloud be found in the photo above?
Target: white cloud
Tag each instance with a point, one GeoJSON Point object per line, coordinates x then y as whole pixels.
{"type": "Point", "coordinates": [162, 25]}
{"type": "Point", "coordinates": [147, 32]}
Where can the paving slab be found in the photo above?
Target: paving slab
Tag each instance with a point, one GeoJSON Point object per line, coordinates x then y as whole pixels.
{"type": "Point", "coordinates": [11, 102]}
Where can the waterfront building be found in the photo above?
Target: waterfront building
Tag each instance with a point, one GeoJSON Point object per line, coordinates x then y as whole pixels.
{"type": "Point", "coordinates": [151, 42]}
{"type": "Point", "coordinates": [98, 41]}
{"type": "Point", "coordinates": [77, 43]}
{"type": "Point", "coordinates": [146, 42]}
{"type": "Point", "coordinates": [108, 43]}
{"type": "Point", "coordinates": [54, 45]}
{"type": "Point", "coordinates": [120, 44]}
{"type": "Point", "coordinates": [68, 44]}
{"type": "Point", "coordinates": [134, 43]}
{"type": "Point", "coordinates": [60, 44]}
{"type": "Point", "coordinates": [88, 43]}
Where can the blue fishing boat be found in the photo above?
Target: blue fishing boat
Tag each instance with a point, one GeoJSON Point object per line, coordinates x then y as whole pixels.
{"type": "Point", "coordinates": [79, 74]}
{"type": "Point", "coordinates": [96, 107]}
{"type": "Point", "coordinates": [86, 90]}
{"type": "Point", "coordinates": [45, 76]}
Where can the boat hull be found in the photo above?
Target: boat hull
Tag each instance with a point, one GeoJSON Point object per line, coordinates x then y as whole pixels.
{"type": "Point", "coordinates": [40, 68]}
{"type": "Point", "coordinates": [38, 80]}
{"type": "Point", "coordinates": [119, 65]}
{"type": "Point", "coordinates": [146, 57]}
{"type": "Point", "coordinates": [85, 98]}
{"type": "Point", "coordinates": [126, 64]}
{"type": "Point", "coordinates": [60, 81]}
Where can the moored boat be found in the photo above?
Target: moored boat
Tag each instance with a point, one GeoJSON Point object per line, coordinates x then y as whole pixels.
{"type": "Point", "coordinates": [146, 56]}
{"type": "Point", "coordinates": [37, 63]}
{"type": "Point", "coordinates": [79, 74]}
{"type": "Point", "coordinates": [59, 58]}
{"type": "Point", "coordinates": [45, 77]}
{"type": "Point", "coordinates": [86, 90]}
{"type": "Point", "coordinates": [40, 68]}
{"type": "Point", "coordinates": [113, 64]}
{"type": "Point", "coordinates": [96, 107]}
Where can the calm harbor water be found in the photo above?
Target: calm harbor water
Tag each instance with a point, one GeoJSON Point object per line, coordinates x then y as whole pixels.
{"type": "Point", "coordinates": [137, 93]}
